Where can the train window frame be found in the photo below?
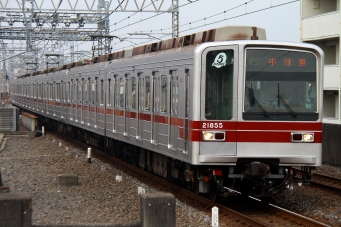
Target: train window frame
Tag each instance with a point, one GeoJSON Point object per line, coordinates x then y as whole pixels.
{"type": "Point", "coordinates": [174, 91]}
{"type": "Point", "coordinates": [121, 93]}
{"type": "Point", "coordinates": [101, 93]}
{"type": "Point", "coordinates": [156, 96]}
{"type": "Point", "coordinates": [140, 90]}
{"type": "Point", "coordinates": [132, 94]}
{"type": "Point", "coordinates": [109, 98]}
{"type": "Point", "coordinates": [290, 114]}
{"type": "Point", "coordinates": [147, 91]}
{"type": "Point", "coordinates": [126, 91]}
{"type": "Point", "coordinates": [163, 93]}
{"type": "Point", "coordinates": [217, 110]}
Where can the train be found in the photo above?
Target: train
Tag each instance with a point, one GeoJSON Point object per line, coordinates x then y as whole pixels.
{"type": "Point", "coordinates": [219, 110]}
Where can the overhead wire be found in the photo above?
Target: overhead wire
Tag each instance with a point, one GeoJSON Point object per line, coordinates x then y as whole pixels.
{"type": "Point", "coordinates": [229, 18]}
{"type": "Point", "coordinates": [247, 13]}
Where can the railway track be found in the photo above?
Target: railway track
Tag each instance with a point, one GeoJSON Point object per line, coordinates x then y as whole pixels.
{"type": "Point", "coordinates": [325, 182]}
{"type": "Point", "coordinates": [250, 212]}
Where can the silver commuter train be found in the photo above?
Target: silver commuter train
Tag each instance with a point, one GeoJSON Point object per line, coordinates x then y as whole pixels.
{"type": "Point", "coordinates": [214, 114]}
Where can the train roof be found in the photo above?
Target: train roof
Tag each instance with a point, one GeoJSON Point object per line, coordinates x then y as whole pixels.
{"type": "Point", "coordinates": [227, 33]}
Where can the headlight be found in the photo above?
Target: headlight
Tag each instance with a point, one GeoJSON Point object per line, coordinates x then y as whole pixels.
{"type": "Point", "coordinates": [208, 136]}
{"type": "Point", "coordinates": [213, 136]}
{"type": "Point", "coordinates": [302, 137]}
{"type": "Point", "coordinates": [308, 137]}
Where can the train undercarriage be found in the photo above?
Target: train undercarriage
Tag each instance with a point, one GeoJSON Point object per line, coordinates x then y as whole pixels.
{"type": "Point", "coordinates": [261, 178]}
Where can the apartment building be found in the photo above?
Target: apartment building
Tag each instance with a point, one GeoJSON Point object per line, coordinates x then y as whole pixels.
{"type": "Point", "coordinates": [320, 25]}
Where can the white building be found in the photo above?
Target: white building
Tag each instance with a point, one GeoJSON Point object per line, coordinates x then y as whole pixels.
{"type": "Point", "coordinates": [320, 25]}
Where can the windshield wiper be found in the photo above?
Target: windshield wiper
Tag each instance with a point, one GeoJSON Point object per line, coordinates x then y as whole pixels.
{"type": "Point", "coordinates": [253, 98]}
{"type": "Point", "coordinates": [286, 105]}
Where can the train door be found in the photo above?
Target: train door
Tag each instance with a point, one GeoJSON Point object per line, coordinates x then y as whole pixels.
{"type": "Point", "coordinates": [67, 100]}
{"type": "Point", "coordinates": [146, 116]}
{"type": "Point", "coordinates": [79, 100]}
{"type": "Point", "coordinates": [163, 120]}
{"type": "Point", "coordinates": [155, 108]}
{"type": "Point", "coordinates": [173, 120]}
{"type": "Point", "coordinates": [86, 102]}
{"type": "Point", "coordinates": [126, 118]}
{"type": "Point", "coordinates": [101, 110]}
{"type": "Point", "coordinates": [115, 104]}
{"type": "Point", "coordinates": [139, 106]}
{"type": "Point", "coordinates": [186, 102]}
{"type": "Point", "coordinates": [93, 104]}
{"type": "Point", "coordinates": [133, 106]}
{"type": "Point", "coordinates": [74, 100]}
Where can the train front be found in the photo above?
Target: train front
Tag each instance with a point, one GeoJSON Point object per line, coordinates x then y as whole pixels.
{"type": "Point", "coordinates": [261, 114]}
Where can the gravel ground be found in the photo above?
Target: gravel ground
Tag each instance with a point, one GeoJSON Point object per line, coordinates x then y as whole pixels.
{"type": "Point", "coordinates": [32, 165]}
{"type": "Point", "coordinates": [311, 202]}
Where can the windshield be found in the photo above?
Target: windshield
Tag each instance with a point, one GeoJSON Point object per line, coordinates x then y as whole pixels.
{"type": "Point", "coordinates": [280, 82]}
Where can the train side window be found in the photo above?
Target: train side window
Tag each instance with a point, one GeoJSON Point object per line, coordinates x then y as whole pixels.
{"type": "Point", "coordinates": [121, 90]}
{"type": "Point", "coordinates": [133, 93]}
{"type": "Point", "coordinates": [156, 93]}
{"type": "Point", "coordinates": [101, 92]}
{"type": "Point", "coordinates": [51, 91]}
{"type": "Point", "coordinates": [93, 92]}
{"type": "Point", "coordinates": [83, 91]}
{"type": "Point", "coordinates": [109, 92]}
{"type": "Point", "coordinates": [175, 93]}
{"type": "Point", "coordinates": [147, 93]}
{"type": "Point", "coordinates": [126, 91]}
{"type": "Point", "coordinates": [164, 88]}
{"type": "Point", "coordinates": [114, 93]}
{"type": "Point", "coordinates": [140, 82]}
{"type": "Point", "coordinates": [67, 92]}
{"type": "Point", "coordinates": [80, 91]}
{"type": "Point", "coordinates": [87, 91]}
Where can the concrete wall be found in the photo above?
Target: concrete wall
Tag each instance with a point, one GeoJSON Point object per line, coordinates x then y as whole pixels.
{"type": "Point", "coordinates": [320, 6]}
{"type": "Point", "coordinates": [331, 145]}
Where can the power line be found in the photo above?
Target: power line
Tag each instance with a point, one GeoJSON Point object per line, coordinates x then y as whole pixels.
{"type": "Point", "coordinates": [230, 18]}
{"type": "Point", "coordinates": [256, 11]}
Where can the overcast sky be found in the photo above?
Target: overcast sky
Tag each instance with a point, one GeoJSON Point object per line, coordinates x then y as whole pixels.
{"type": "Point", "coordinates": [280, 20]}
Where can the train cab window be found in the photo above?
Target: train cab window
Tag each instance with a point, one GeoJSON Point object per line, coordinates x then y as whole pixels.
{"type": "Point", "coordinates": [219, 85]}
{"type": "Point", "coordinates": [163, 103]}
{"type": "Point", "coordinates": [280, 85]}
{"type": "Point", "coordinates": [133, 93]}
{"type": "Point", "coordinates": [147, 93]}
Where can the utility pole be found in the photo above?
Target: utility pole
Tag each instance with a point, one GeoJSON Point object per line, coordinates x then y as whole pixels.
{"type": "Point", "coordinates": [175, 18]}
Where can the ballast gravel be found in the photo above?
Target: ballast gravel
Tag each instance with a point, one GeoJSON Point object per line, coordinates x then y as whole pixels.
{"type": "Point", "coordinates": [32, 164]}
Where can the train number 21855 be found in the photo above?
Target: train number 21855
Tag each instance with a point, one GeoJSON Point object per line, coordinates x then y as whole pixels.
{"type": "Point", "coordinates": [212, 125]}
